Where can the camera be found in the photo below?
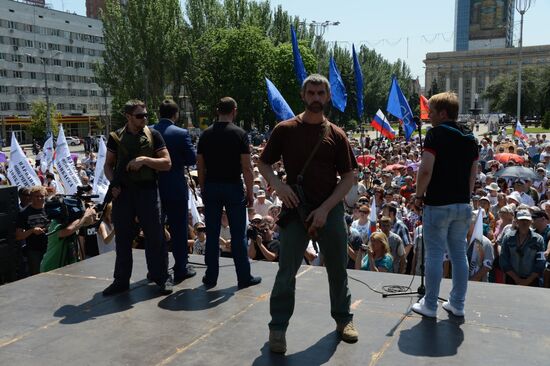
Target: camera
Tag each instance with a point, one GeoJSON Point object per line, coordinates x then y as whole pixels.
{"type": "Point", "coordinates": [68, 208]}
{"type": "Point", "coordinates": [252, 232]}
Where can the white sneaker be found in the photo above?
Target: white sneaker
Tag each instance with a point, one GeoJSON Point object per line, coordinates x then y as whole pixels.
{"type": "Point", "coordinates": [420, 308]}
{"type": "Point", "coordinates": [451, 309]}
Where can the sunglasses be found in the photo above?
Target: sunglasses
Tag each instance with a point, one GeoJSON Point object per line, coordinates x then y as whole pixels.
{"type": "Point", "coordinates": [141, 115]}
{"type": "Point", "coordinates": [201, 229]}
{"type": "Point", "coordinates": [365, 212]}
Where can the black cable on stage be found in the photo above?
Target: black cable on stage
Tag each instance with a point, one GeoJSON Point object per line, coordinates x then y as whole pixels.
{"type": "Point", "coordinates": [387, 289]}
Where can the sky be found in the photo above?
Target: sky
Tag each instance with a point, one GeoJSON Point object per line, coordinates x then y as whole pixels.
{"type": "Point", "coordinates": [396, 29]}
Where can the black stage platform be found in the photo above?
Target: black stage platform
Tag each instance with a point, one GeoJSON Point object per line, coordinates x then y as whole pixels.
{"type": "Point", "coordinates": [60, 318]}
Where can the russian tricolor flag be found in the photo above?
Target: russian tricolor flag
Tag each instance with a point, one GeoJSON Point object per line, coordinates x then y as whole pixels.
{"type": "Point", "coordinates": [381, 124]}
{"type": "Point", "coordinates": [519, 132]}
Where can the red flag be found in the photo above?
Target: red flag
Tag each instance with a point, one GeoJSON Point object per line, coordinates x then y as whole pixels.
{"type": "Point", "coordinates": [424, 107]}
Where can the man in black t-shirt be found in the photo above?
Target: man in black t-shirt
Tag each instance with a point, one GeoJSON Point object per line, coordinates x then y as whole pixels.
{"type": "Point", "coordinates": [222, 154]}
{"type": "Point", "coordinates": [445, 182]}
{"type": "Point", "coordinates": [134, 155]}
{"type": "Point", "coordinates": [32, 225]}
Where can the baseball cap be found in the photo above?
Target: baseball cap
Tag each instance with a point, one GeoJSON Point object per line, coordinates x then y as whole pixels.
{"type": "Point", "coordinates": [524, 215]}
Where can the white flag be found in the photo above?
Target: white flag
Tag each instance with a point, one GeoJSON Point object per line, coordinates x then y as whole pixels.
{"type": "Point", "coordinates": [193, 207]}
{"type": "Point", "coordinates": [65, 165]}
{"type": "Point", "coordinates": [101, 183]}
{"type": "Point", "coordinates": [478, 228]}
{"type": "Point", "coordinates": [20, 171]}
{"type": "Point", "coordinates": [46, 164]}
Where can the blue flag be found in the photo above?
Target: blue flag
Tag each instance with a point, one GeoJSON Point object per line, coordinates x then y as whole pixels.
{"type": "Point", "coordinates": [358, 84]}
{"type": "Point", "coordinates": [278, 103]}
{"type": "Point", "coordinates": [399, 107]}
{"type": "Point", "coordinates": [337, 88]}
{"type": "Point", "coordinates": [299, 68]}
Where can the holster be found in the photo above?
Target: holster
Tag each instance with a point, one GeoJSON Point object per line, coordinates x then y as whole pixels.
{"type": "Point", "coordinates": [302, 211]}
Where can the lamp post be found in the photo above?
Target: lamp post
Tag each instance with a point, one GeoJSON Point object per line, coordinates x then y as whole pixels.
{"type": "Point", "coordinates": [48, 118]}
{"type": "Point", "coordinates": [319, 28]}
{"type": "Point", "coordinates": [521, 6]}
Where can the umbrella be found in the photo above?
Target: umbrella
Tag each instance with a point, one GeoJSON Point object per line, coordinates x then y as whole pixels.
{"type": "Point", "coordinates": [518, 172]}
{"type": "Point", "coordinates": [506, 157]}
{"type": "Point", "coordinates": [394, 167]}
{"type": "Point", "coordinates": [365, 159]}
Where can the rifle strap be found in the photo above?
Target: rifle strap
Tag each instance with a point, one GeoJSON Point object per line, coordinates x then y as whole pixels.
{"type": "Point", "coordinates": [322, 135]}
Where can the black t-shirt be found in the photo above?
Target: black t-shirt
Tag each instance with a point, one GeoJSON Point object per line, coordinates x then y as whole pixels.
{"type": "Point", "coordinates": [90, 240]}
{"type": "Point", "coordinates": [221, 146]}
{"type": "Point", "coordinates": [455, 150]}
{"type": "Point", "coordinates": [272, 246]}
{"type": "Point", "coordinates": [30, 218]}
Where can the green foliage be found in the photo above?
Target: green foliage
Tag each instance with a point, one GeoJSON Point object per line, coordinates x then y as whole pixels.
{"type": "Point", "coordinates": [434, 89]}
{"type": "Point", "coordinates": [229, 65]}
{"type": "Point", "coordinates": [535, 92]}
{"type": "Point", "coordinates": [145, 49]}
{"type": "Point", "coordinates": [219, 48]}
{"type": "Point", "coordinates": [37, 127]}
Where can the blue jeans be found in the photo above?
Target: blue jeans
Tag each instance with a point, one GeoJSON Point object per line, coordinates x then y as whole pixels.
{"type": "Point", "coordinates": [446, 227]}
{"type": "Point", "coordinates": [231, 196]}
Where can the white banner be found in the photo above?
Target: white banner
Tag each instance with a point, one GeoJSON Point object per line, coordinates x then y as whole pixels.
{"type": "Point", "coordinates": [65, 165]}
{"type": "Point", "coordinates": [46, 164]}
{"type": "Point", "coordinates": [20, 171]}
{"type": "Point", "coordinates": [101, 183]}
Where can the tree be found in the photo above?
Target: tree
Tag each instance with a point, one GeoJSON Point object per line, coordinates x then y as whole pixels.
{"type": "Point", "coordinates": [144, 50]}
{"type": "Point", "coordinates": [434, 89]}
{"type": "Point", "coordinates": [37, 127]}
{"type": "Point", "coordinates": [502, 92]}
{"type": "Point", "coordinates": [232, 62]}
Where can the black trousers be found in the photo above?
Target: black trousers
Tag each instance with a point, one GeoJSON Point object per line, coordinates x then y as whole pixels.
{"type": "Point", "coordinates": [144, 204]}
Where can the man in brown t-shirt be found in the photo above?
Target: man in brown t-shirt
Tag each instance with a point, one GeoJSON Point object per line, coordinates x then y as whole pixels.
{"type": "Point", "coordinates": [294, 140]}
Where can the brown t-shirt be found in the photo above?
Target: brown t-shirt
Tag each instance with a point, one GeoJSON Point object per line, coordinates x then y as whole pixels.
{"type": "Point", "coordinates": [294, 140]}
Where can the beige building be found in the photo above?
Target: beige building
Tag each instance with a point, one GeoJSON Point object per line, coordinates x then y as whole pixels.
{"type": "Point", "coordinates": [468, 73]}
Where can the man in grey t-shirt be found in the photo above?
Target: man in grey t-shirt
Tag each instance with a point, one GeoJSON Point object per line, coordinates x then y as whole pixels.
{"type": "Point", "coordinates": [396, 246]}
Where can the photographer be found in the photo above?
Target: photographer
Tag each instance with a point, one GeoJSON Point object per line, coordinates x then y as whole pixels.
{"type": "Point", "coordinates": [87, 236]}
{"type": "Point", "coordinates": [261, 245]}
{"type": "Point", "coordinates": [62, 240]}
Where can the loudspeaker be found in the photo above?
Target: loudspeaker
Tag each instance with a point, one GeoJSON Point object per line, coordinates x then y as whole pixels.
{"type": "Point", "coordinates": [9, 253]}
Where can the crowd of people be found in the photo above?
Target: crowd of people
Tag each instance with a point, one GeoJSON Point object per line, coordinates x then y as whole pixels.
{"type": "Point", "coordinates": [370, 184]}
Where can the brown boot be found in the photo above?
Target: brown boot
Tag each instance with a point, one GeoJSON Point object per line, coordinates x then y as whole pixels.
{"type": "Point", "coordinates": [348, 332]}
{"type": "Point", "coordinates": [277, 341]}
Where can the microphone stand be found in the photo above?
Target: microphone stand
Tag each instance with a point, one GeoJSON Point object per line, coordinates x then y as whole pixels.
{"type": "Point", "coordinates": [421, 290]}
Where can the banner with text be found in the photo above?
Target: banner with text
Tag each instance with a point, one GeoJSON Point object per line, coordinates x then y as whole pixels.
{"type": "Point", "coordinates": [20, 171]}
{"type": "Point", "coordinates": [65, 165]}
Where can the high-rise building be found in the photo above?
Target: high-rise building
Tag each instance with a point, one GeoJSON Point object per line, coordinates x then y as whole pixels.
{"type": "Point", "coordinates": [93, 7]}
{"type": "Point", "coordinates": [481, 24]}
{"type": "Point", "coordinates": [40, 45]}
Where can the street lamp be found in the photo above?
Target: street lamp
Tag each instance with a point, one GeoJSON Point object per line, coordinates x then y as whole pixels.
{"type": "Point", "coordinates": [48, 118]}
{"type": "Point", "coordinates": [319, 29]}
{"type": "Point", "coordinates": [521, 6]}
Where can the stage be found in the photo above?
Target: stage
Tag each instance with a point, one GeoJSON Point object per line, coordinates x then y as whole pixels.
{"type": "Point", "coordinates": [61, 318]}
